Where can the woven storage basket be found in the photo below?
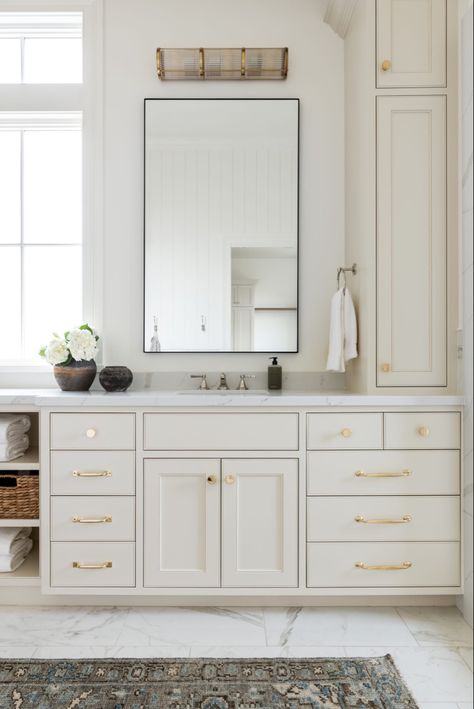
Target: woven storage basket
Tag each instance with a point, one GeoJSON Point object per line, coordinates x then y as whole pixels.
{"type": "Point", "coordinates": [22, 500]}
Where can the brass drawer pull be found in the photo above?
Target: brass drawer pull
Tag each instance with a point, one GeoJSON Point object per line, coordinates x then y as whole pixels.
{"type": "Point", "coordinates": [384, 567]}
{"type": "Point", "coordinates": [424, 431]}
{"type": "Point", "coordinates": [211, 479]}
{"type": "Point", "coordinates": [346, 433]}
{"type": "Point", "coordinates": [92, 474]}
{"type": "Point", "coordinates": [363, 520]}
{"type": "Point", "coordinates": [81, 565]}
{"type": "Point", "coordinates": [92, 520]}
{"type": "Point", "coordinates": [403, 474]}
{"type": "Point", "coordinates": [229, 479]}
{"type": "Point", "coordinates": [386, 65]}
{"type": "Point", "coordinates": [91, 433]}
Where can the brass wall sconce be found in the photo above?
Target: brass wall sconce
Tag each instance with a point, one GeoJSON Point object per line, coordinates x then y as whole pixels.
{"type": "Point", "coordinates": [222, 64]}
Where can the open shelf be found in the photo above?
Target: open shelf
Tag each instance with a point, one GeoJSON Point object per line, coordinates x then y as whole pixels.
{"type": "Point", "coordinates": [29, 461]}
{"type": "Point", "coordinates": [19, 522]}
{"type": "Point", "coordinates": [27, 574]}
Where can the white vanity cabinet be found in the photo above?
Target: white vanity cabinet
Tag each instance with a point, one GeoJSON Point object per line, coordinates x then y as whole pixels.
{"type": "Point", "coordinates": [411, 43]}
{"type": "Point", "coordinates": [263, 500]}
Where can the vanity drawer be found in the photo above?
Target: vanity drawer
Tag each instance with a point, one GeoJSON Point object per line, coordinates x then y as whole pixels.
{"type": "Point", "coordinates": [384, 473]}
{"type": "Point", "coordinates": [423, 430]}
{"type": "Point", "coordinates": [333, 565]}
{"type": "Point", "coordinates": [225, 431]}
{"type": "Point", "coordinates": [345, 431]}
{"type": "Point", "coordinates": [93, 431]}
{"type": "Point", "coordinates": [93, 564]}
{"type": "Point", "coordinates": [92, 473]}
{"type": "Point", "coordinates": [92, 519]}
{"type": "Point", "coordinates": [353, 519]}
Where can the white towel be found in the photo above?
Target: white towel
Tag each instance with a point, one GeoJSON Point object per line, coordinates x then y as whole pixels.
{"type": "Point", "coordinates": [10, 562]}
{"type": "Point", "coordinates": [11, 536]}
{"type": "Point", "coordinates": [11, 450]}
{"type": "Point", "coordinates": [342, 331]}
{"type": "Point", "coordinates": [13, 426]}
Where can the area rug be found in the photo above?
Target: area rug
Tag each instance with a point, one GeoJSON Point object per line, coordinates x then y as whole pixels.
{"type": "Point", "coordinates": [329, 683]}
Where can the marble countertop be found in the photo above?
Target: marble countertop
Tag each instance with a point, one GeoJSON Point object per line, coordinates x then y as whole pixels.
{"type": "Point", "coordinates": [148, 397]}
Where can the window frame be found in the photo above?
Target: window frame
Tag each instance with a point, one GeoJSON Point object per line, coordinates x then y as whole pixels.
{"type": "Point", "coordinates": [86, 97]}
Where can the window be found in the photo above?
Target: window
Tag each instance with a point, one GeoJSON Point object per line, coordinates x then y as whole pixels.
{"type": "Point", "coordinates": [41, 177]}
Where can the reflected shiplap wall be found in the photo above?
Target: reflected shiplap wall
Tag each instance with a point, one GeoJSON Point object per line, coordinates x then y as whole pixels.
{"type": "Point", "coordinates": [132, 33]}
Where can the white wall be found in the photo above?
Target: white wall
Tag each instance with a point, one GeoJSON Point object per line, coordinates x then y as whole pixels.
{"type": "Point", "coordinates": [467, 280]}
{"type": "Point", "coordinates": [133, 30]}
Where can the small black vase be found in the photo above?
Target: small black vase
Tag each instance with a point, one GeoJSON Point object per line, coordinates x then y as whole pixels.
{"type": "Point", "coordinates": [115, 378]}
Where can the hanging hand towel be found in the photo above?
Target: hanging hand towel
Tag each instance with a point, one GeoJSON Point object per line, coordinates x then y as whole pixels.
{"type": "Point", "coordinates": [11, 538]}
{"type": "Point", "coordinates": [342, 331]}
{"type": "Point", "coordinates": [13, 427]}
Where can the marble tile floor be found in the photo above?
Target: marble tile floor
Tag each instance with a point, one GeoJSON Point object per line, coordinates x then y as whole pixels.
{"type": "Point", "coordinates": [432, 646]}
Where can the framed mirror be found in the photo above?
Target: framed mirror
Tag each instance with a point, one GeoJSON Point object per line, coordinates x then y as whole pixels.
{"type": "Point", "coordinates": [221, 225]}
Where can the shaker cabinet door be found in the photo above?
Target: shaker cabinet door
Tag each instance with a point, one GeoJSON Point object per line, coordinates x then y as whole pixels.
{"type": "Point", "coordinates": [411, 241]}
{"type": "Point", "coordinates": [181, 523]}
{"type": "Point", "coordinates": [411, 43]}
{"type": "Point", "coordinates": [259, 523]}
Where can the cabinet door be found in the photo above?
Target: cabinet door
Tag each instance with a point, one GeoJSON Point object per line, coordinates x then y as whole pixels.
{"type": "Point", "coordinates": [411, 241]}
{"type": "Point", "coordinates": [181, 523]}
{"type": "Point", "coordinates": [259, 523]}
{"type": "Point", "coordinates": [411, 43]}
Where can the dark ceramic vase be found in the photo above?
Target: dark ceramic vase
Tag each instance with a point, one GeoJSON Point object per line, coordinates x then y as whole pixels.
{"type": "Point", "coordinates": [115, 378]}
{"type": "Point", "coordinates": [77, 376]}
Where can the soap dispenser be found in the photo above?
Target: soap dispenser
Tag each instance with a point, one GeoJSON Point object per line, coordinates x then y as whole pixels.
{"type": "Point", "coordinates": [274, 374]}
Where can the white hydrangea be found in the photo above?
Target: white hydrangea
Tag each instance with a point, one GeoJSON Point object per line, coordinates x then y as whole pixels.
{"type": "Point", "coordinates": [82, 344]}
{"type": "Point", "coordinates": [57, 351]}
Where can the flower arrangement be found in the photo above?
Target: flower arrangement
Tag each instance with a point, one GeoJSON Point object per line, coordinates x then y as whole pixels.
{"type": "Point", "coordinates": [79, 344]}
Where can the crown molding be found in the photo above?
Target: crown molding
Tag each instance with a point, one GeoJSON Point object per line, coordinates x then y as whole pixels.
{"type": "Point", "coordinates": [338, 15]}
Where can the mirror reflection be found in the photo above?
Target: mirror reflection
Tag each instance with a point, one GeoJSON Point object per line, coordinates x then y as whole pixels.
{"type": "Point", "coordinates": [221, 214]}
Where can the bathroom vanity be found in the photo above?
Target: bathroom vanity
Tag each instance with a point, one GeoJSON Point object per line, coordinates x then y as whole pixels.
{"type": "Point", "coordinates": [226, 494]}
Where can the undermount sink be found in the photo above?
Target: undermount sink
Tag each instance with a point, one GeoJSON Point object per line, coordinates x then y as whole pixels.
{"type": "Point", "coordinates": [224, 392]}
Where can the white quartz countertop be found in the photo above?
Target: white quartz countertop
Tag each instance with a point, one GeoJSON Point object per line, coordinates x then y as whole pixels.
{"type": "Point", "coordinates": [148, 397]}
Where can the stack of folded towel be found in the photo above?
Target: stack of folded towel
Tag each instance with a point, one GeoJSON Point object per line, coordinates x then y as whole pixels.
{"type": "Point", "coordinates": [15, 545]}
{"type": "Point", "coordinates": [13, 439]}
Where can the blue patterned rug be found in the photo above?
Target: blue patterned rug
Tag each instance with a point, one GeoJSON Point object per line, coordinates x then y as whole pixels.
{"type": "Point", "coordinates": [329, 683]}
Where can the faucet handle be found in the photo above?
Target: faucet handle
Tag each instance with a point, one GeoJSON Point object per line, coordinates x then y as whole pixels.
{"type": "Point", "coordinates": [203, 378]}
{"type": "Point", "coordinates": [243, 384]}
{"type": "Point", "coordinates": [222, 381]}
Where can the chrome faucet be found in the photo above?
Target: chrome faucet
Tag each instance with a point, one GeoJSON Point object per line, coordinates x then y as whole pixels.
{"type": "Point", "coordinates": [203, 377]}
{"type": "Point", "coordinates": [243, 384]}
{"type": "Point", "coordinates": [222, 382]}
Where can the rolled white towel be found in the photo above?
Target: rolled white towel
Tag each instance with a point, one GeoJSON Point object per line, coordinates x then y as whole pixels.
{"type": "Point", "coordinates": [11, 562]}
{"type": "Point", "coordinates": [12, 450]}
{"type": "Point", "coordinates": [13, 426]}
{"type": "Point", "coordinates": [9, 536]}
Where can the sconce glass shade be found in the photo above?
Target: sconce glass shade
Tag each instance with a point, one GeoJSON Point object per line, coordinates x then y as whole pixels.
{"type": "Point", "coordinates": [222, 64]}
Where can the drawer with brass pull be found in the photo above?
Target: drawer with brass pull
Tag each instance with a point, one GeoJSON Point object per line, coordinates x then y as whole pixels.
{"type": "Point", "coordinates": [349, 431]}
{"type": "Point", "coordinates": [92, 473]}
{"type": "Point", "coordinates": [405, 472]}
{"type": "Point", "coordinates": [93, 431]}
{"type": "Point", "coordinates": [383, 564]}
{"type": "Point", "coordinates": [352, 519]}
{"type": "Point", "coordinates": [429, 430]}
{"type": "Point", "coordinates": [98, 564]}
{"type": "Point", "coordinates": [92, 519]}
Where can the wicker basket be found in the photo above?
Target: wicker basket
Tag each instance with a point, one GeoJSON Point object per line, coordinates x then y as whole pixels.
{"type": "Point", "coordinates": [22, 500]}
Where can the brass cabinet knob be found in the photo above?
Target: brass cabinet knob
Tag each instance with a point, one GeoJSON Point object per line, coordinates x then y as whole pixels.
{"type": "Point", "coordinates": [424, 431]}
{"type": "Point", "coordinates": [229, 479]}
{"type": "Point", "coordinates": [91, 433]}
{"type": "Point", "coordinates": [211, 479]}
{"type": "Point", "coordinates": [386, 65]}
{"type": "Point", "coordinates": [385, 367]}
{"type": "Point", "coordinates": [346, 433]}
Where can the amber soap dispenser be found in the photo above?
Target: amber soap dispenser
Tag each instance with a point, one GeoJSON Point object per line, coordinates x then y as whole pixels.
{"type": "Point", "coordinates": [274, 374]}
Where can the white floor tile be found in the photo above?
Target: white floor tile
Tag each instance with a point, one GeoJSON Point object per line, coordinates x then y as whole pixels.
{"type": "Point", "coordinates": [192, 626]}
{"type": "Point", "coordinates": [236, 651]}
{"type": "Point", "coordinates": [437, 705]}
{"type": "Point", "coordinates": [16, 651]}
{"type": "Point", "coordinates": [465, 705]}
{"type": "Point", "coordinates": [466, 654]}
{"type": "Point", "coordinates": [435, 674]}
{"type": "Point", "coordinates": [336, 626]}
{"type": "Point", "coordinates": [147, 651]}
{"type": "Point", "coordinates": [64, 652]}
{"type": "Point", "coordinates": [437, 626]}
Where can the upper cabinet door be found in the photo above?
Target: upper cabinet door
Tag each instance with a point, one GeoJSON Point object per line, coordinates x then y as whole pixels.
{"type": "Point", "coordinates": [260, 523]}
{"type": "Point", "coordinates": [182, 523]}
{"type": "Point", "coordinates": [411, 43]}
{"type": "Point", "coordinates": [411, 241]}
